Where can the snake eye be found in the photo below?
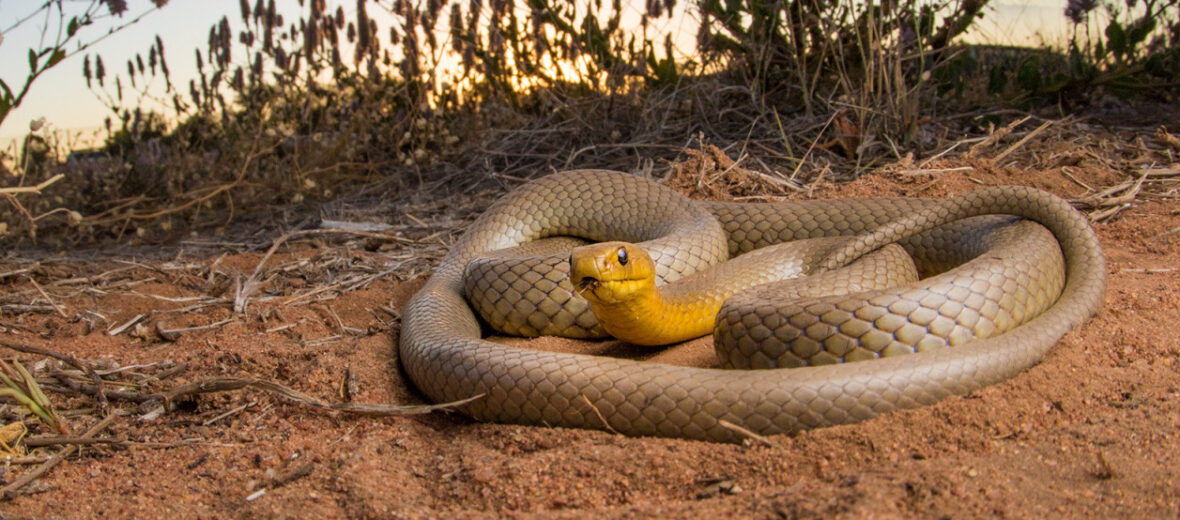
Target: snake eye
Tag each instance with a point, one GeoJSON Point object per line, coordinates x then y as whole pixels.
{"type": "Point", "coordinates": [622, 256]}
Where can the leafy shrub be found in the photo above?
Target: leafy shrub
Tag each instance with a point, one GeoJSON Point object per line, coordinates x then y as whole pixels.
{"type": "Point", "coordinates": [287, 111]}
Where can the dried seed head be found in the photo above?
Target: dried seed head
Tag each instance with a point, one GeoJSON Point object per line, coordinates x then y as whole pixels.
{"type": "Point", "coordinates": [704, 37]}
{"type": "Point", "coordinates": [1078, 10]}
{"type": "Point", "coordinates": [364, 37]}
{"type": "Point", "coordinates": [456, 24]}
{"type": "Point", "coordinates": [192, 91]}
{"type": "Point", "coordinates": [281, 59]}
{"type": "Point", "coordinates": [257, 68]}
{"type": "Point", "coordinates": [311, 39]}
{"type": "Point", "coordinates": [116, 7]}
{"type": "Point", "coordinates": [331, 32]}
{"type": "Point", "coordinates": [654, 8]}
{"type": "Point", "coordinates": [222, 43]}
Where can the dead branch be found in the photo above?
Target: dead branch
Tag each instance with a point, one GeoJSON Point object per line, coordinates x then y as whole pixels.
{"type": "Point", "coordinates": [36, 190]}
{"type": "Point", "coordinates": [224, 384]}
{"type": "Point", "coordinates": [13, 489]}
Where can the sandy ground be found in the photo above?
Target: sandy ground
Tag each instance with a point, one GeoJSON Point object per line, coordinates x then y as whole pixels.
{"type": "Point", "coordinates": [1090, 432]}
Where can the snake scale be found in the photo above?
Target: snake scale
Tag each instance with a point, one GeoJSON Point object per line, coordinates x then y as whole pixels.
{"type": "Point", "coordinates": [1007, 297]}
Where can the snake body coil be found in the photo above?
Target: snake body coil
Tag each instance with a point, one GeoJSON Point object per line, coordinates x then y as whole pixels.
{"type": "Point", "coordinates": [443, 354]}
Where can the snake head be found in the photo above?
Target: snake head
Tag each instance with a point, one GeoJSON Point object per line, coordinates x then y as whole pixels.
{"type": "Point", "coordinates": [611, 272]}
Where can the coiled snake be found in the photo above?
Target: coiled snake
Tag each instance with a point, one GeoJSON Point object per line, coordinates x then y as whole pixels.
{"type": "Point", "coordinates": [1010, 297]}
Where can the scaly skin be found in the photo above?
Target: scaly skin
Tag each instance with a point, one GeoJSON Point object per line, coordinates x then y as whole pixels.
{"type": "Point", "coordinates": [618, 280]}
{"type": "Point", "coordinates": [444, 356]}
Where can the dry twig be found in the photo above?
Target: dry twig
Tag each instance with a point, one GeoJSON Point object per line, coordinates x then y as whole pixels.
{"type": "Point", "coordinates": [35, 190]}
{"type": "Point", "coordinates": [223, 384]}
{"type": "Point", "coordinates": [247, 289]}
{"type": "Point", "coordinates": [1023, 140]}
{"type": "Point", "coordinates": [55, 306]}
{"type": "Point", "coordinates": [13, 489]}
{"type": "Point", "coordinates": [996, 136]}
{"type": "Point", "coordinates": [71, 360]}
{"type": "Point", "coordinates": [598, 413]}
{"type": "Point", "coordinates": [748, 433]}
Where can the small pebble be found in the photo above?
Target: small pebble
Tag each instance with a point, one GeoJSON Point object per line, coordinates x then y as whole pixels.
{"type": "Point", "coordinates": [484, 474]}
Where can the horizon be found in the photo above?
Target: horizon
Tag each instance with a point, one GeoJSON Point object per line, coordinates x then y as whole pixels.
{"type": "Point", "coordinates": [61, 96]}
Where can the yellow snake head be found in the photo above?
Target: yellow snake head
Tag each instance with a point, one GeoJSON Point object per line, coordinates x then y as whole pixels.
{"type": "Point", "coordinates": [611, 272]}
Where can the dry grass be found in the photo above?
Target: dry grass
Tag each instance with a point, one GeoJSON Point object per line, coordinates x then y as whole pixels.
{"type": "Point", "coordinates": [1131, 165]}
{"type": "Point", "coordinates": [290, 116]}
{"type": "Point", "coordinates": [785, 153]}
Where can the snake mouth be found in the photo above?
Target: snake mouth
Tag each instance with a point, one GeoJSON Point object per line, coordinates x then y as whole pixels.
{"type": "Point", "coordinates": [588, 283]}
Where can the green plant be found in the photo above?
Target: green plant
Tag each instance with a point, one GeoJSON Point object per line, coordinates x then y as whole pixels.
{"type": "Point", "coordinates": [62, 30]}
{"type": "Point", "coordinates": [330, 98]}
{"type": "Point", "coordinates": [1137, 50]}
{"type": "Point", "coordinates": [289, 109]}
{"type": "Point", "coordinates": [21, 386]}
{"type": "Point", "coordinates": [870, 58]}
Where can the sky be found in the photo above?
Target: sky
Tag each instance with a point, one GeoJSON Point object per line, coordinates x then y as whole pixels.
{"type": "Point", "coordinates": [62, 98]}
{"type": "Point", "coordinates": [60, 95]}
